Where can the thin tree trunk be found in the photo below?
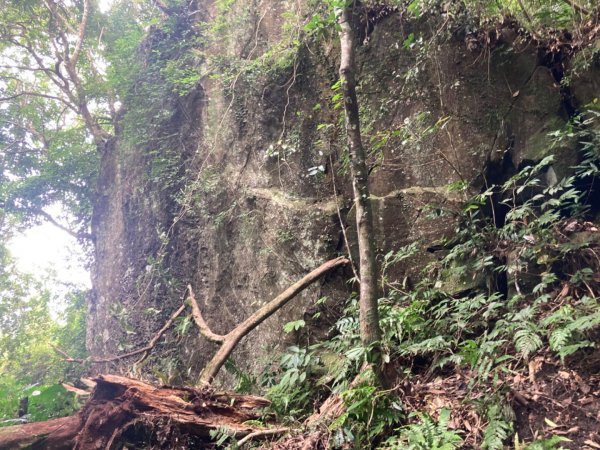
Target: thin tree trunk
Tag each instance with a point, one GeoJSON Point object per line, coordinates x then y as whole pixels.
{"type": "Point", "coordinates": [525, 13]}
{"type": "Point", "coordinates": [369, 293]}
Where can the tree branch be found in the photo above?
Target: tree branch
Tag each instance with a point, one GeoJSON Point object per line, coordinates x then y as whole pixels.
{"type": "Point", "coordinates": [70, 63]}
{"type": "Point", "coordinates": [580, 9]}
{"type": "Point", "coordinates": [232, 338]}
{"type": "Point", "coordinates": [65, 355]}
{"type": "Point", "coordinates": [81, 32]}
{"type": "Point", "coordinates": [524, 10]}
{"type": "Point", "coordinates": [158, 335]}
{"type": "Point", "coordinates": [55, 77]}
{"type": "Point", "coordinates": [202, 325]}
{"type": "Point", "coordinates": [59, 17]}
{"type": "Point", "coordinates": [36, 94]}
{"type": "Point", "coordinates": [342, 226]}
{"type": "Point", "coordinates": [21, 68]}
{"type": "Point", "coordinates": [108, 359]}
{"type": "Point", "coordinates": [262, 433]}
{"type": "Point", "coordinates": [53, 221]}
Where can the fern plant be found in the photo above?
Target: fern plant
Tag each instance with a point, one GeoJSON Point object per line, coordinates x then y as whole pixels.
{"type": "Point", "coordinates": [499, 427]}
{"type": "Point", "coordinates": [518, 277]}
{"type": "Point", "coordinates": [426, 434]}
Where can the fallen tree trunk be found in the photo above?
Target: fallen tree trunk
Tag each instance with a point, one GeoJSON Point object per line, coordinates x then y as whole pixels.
{"type": "Point", "coordinates": [53, 434]}
{"type": "Point", "coordinates": [121, 409]}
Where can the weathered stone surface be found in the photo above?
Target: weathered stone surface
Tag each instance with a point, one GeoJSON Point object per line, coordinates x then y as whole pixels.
{"type": "Point", "coordinates": [262, 211]}
{"type": "Point", "coordinates": [585, 83]}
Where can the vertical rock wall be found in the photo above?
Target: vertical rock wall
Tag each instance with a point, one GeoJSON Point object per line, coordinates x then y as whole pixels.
{"type": "Point", "coordinates": [253, 205]}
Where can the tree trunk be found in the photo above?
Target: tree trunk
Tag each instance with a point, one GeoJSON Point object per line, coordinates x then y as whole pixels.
{"type": "Point", "coordinates": [369, 293]}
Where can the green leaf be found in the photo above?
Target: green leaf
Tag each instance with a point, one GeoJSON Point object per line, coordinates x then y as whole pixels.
{"type": "Point", "coordinates": [293, 326]}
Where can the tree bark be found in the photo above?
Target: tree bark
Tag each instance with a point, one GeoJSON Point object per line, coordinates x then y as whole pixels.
{"type": "Point", "coordinates": [370, 330]}
{"type": "Point", "coordinates": [55, 434]}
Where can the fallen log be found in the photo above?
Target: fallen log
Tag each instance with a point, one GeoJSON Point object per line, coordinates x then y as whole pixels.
{"type": "Point", "coordinates": [55, 434]}
{"type": "Point", "coordinates": [122, 410]}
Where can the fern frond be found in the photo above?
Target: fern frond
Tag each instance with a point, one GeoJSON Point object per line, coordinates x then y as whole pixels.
{"type": "Point", "coordinates": [527, 342]}
{"type": "Point", "coordinates": [497, 431]}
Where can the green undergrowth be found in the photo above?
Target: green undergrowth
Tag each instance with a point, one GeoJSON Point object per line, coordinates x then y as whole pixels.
{"type": "Point", "coordinates": [518, 280]}
{"type": "Point", "coordinates": [32, 323]}
{"type": "Point", "coordinates": [44, 402]}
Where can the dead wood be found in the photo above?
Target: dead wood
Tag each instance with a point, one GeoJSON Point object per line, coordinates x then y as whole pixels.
{"type": "Point", "coordinates": [55, 434]}
{"type": "Point", "coordinates": [121, 408]}
{"type": "Point", "coordinates": [261, 434]}
{"type": "Point", "coordinates": [149, 346]}
{"type": "Point", "coordinates": [231, 339]}
{"type": "Point", "coordinates": [75, 390]}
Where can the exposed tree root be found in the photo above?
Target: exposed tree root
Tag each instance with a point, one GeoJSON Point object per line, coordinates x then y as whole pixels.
{"type": "Point", "coordinates": [122, 408]}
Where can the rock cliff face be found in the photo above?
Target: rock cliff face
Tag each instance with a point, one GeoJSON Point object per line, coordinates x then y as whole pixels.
{"type": "Point", "coordinates": [238, 184]}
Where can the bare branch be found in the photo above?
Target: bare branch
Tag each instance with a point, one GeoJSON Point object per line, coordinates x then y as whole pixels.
{"type": "Point", "coordinates": [202, 325]}
{"type": "Point", "coordinates": [37, 94]}
{"type": "Point", "coordinates": [146, 348]}
{"type": "Point", "coordinates": [58, 16]}
{"type": "Point", "coordinates": [81, 32]}
{"type": "Point", "coordinates": [51, 74]}
{"type": "Point", "coordinates": [524, 10]}
{"type": "Point", "coordinates": [77, 94]}
{"type": "Point", "coordinates": [21, 68]}
{"type": "Point", "coordinates": [235, 336]}
{"type": "Point", "coordinates": [53, 221]}
{"type": "Point", "coordinates": [580, 9]}
{"type": "Point", "coordinates": [75, 390]}
{"type": "Point", "coordinates": [158, 335]}
{"type": "Point", "coordinates": [262, 433]}
{"type": "Point", "coordinates": [65, 355]}
{"type": "Point", "coordinates": [342, 226]}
